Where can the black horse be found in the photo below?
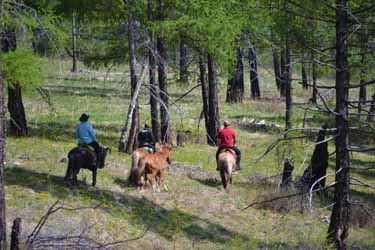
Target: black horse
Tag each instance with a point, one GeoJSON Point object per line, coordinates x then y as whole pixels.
{"type": "Point", "coordinates": [82, 157]}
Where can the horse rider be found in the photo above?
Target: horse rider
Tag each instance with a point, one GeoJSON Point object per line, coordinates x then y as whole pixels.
{"type": "Point", "coordinates": [226, 139]}
{"type": "Point", "coordinates": [146, 139]}
{"type": "Point", "coordinates": [86, 135]}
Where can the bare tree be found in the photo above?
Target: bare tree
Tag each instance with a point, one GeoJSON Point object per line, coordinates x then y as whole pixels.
{"type": "Point", "coordinates": [2, 157]}
{"type": "Point", "coordinates": [162, 76]}
{"type": "Point", "coordinates": [130, 135]}
{"type": "Point", "coordinates": [339, 226]}
{"type": "Point", "coordinates": [254, 77]}
{"type": "Point", "coordinates": [74, 43]}
{"type": "Point", "coordinates": [152, 79]}
{"type": "Point", "coordinates": [213, 106]}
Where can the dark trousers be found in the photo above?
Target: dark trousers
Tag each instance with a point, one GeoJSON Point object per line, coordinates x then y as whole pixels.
{"type": "Point", "coordinates": [236, 150]}
{"type": "Point", "coordinates": [96, 147]}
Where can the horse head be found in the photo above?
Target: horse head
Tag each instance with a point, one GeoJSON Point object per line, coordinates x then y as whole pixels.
{"type": "Point", "coordinates": [167, 148]}
{"type": "Point", "coordinates": [102, 156]}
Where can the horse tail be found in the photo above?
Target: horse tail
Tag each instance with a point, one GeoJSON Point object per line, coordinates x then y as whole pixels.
{"type": "Point", "coordinates": [135, 171]}
{"type": "Point", "coordinates": [224, 172]}
{"type": "Point", "coordinates": [69, 170]}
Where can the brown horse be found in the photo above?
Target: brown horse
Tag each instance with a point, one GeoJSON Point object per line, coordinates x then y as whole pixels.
{"type": "Point", "coordinates": [227, 163]}
{"type": "Point", "coordinates": [151, 167]}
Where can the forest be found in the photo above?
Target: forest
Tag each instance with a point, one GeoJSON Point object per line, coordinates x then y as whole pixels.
{"type": "Point", "coordinates": [187, 124]}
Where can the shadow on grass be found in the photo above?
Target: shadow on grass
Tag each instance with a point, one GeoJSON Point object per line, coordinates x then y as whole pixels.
{"type": "Point", "coordinates": [87, 91]}
{"type": "Point", "coordinates": [160, 220]}
{"type": "Point", "coordinates": [368, 173]}
{"type": "Point", "coordinates": [58, 131]}
{"type": "Point", "coordinates": [109, 92]}
{"type": "Point", "coordinates": [210, 182]}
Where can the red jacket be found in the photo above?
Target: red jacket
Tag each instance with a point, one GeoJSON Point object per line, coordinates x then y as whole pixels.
{"type": "Point", "coordinates": [226, 138]}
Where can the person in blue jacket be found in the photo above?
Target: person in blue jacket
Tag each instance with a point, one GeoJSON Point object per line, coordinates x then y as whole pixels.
{"type": "Point", "coordinates": [86, 134]}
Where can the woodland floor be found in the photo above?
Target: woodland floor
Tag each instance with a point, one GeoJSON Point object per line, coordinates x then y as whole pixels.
{"type": "Point", "coordinates": [196, 213]}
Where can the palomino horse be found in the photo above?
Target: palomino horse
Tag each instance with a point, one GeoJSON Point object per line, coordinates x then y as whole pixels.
{"type": "Point", "coordinates": [227, 163]}
{"type": "Point", "coordinates": [151, 167]}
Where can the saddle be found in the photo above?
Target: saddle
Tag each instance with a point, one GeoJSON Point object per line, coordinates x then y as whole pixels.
{"type": "Point", "coordinates": [228, 150]}
{"type": "Point", "coordinates": [149, 148]}
{"type": "Point", "coordinates": [91, 151]}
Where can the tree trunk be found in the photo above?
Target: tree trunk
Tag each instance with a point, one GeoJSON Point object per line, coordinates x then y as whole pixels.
{"type": "Point", "coordinates": [2, 158]}
{"type": "Point", "coordinates": [305, 84]}
{"type": "Point", "coordinates": [276, 68]}
{"type": "Point", "coordinates": [235, 92]}
{"type": "Point", "coordinates": [131, 143]}
{"type": "Point", "coordinates": [183, 60]}
{"type": "Point", "coordinates": [254, 78]}
{"type": "Point", "coordinates": [74, 43]}
{"type": "Point", "coordinates": [153, 84]}
{"type": "Point", "coordinates": [162, 77]}
{"type": "Point", "coordinates": [371, 113]}
{"type": "Point", "coordinates": [362, 91]}
{"type": "Point", "coordinates": [15, 237]}
{"type": "Point", "coordinates": [213, 105]}
{"type": "Point", "coordinates": [18, 123]}
{"type": "Point", "coordinates": [339, 226]}
{"type": "Point", "coordinates": [132, 105]}
{"type": "Point", "coordinates": [318, 164]}
{"type": "Point", "coordinates": [203, 81]}
{"type": "Point", "coordinates": [282, 73]}
{"type": "Point", "coordinates": [287, 177]}
{"type": "Point", "coordinates": [288, 88]}
{"type": "Point", "coordinates": [314, 78]}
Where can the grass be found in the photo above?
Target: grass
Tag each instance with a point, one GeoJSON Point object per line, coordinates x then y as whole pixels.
{"type": "Point", "coordinates": [195, 213]}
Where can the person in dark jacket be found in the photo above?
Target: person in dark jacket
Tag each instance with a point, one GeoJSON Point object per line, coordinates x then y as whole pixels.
{"type": "Point", "coordinates": [86, 135]}
{"type": "Point", "coordinates": [226, 138]}
{"type": "Point", "coordinates": [146, 139]}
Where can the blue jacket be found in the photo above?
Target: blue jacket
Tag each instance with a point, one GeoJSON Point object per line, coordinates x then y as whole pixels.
{"type": "Point", "coordinates": [85, 133]}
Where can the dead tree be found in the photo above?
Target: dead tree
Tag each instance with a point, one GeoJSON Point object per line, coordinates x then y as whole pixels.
{"type": "Point", "coordinates": [18, 122]}
{"type": "Point", "coordinates": [204, 86]}
{"type": "Point", "coordinates": [134, 125]}
{"type": "Point", "coordinates": [314, 79]}
{"type": "Point", "coordinates": [287, 173]}
{"type": "Point", "coordinates": [305, 84]}
{"type": "Point", "coordinates": [162, 77]}
{"type": "Point", "coordinates": [371, 113]}
{"type": "Point", "coordinates": [133, 102]}
{"type": "Point", "coordinates": [2, 158]}
{"type": "Point", "coordinates": [213, 106]}
{"type": "Point", "coordinates": [287, 79]}
{"type": "Point", "coordinates": [276, 67]}
{"type": "Point", "coordinates": [183, 60]}
{"type": "Point", "coordinates": [74, 43]}
{"type": "Point", "coordinates": [318, 164]}
{"type": "Point", "coordinates": [235, 91]}
{"type": "Point", "coordinates": [254, 77]}
{"type": "Point", "coordinates": [152, 80]}
{"type": "Point", "coordinates": [339, 226]}
{"type": "Point", "coordinates": [15, 236]}
{"type": "Point", "coordinates": [282, 72]}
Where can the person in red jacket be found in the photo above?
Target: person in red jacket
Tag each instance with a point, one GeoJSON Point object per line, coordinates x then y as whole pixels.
{"type": "Point", "coordinates": [226, 138]}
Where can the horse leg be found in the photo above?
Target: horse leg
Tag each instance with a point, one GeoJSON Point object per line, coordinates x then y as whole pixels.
{"type": "Point", "coordinates": [68, 171]}
{"type": "Point", "coordinates": [75, 173]}
{"type": "Point", "coordinates": [158, 181]}
{"type": "Point", "coordinates": [94, 176]}
{"type": "Point", "coordinates": [161, 181]}
{"type": "Point", "coordinates": [229, 181]}
{"type": "Point", "coordinates": [141, 183]}
{"type": "Point", "coordinates": [151, 179]}
{"type": "Point", "coordinates": [223, 179]}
